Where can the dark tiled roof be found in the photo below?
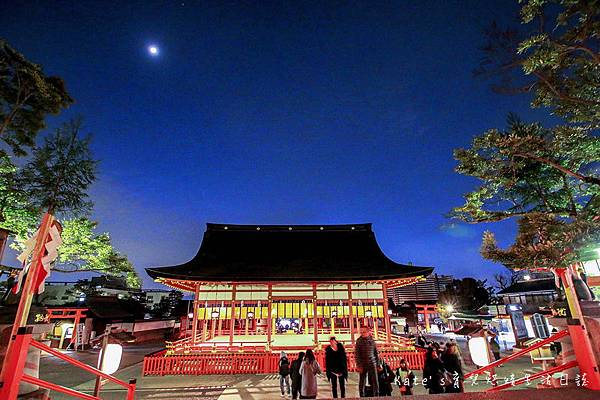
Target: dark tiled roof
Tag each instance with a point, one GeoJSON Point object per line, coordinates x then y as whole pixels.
{"type": "Point", "coordinates": [270, 253]}
{"type": "Point", "coordinates": [530, 286]}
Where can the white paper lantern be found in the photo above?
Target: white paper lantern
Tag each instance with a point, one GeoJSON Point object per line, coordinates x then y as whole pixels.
{"type": "Point", "coordinates": [479, 351]}
{"type": "Point", "coordinates": [112, 359]}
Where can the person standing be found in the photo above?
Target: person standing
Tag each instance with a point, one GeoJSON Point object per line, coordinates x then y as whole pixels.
{"type": "Point", "coordinates": [284, 374]}
{"type": "Point", "coordinates": [495, 346]}
{"type": "Point", "coordinates": [365, 355]}
{"type": "Point", "coordinates": [336, 366]}
{"type": "Point", "coordinates": [295, 375]}
{"type": "Point", "coordinates": [405, 378]}
{"type": "Point", "coordinates": [433, 372]}
{"type": "Point", "coordinates": [309, 370]}
{"type": "Point", "coordinates": [406, 329]}
{"type": "Point", "coordinates": [453, 364]}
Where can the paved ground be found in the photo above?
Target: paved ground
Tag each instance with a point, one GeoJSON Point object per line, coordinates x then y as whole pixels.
{"type": "Point", "coordinates": [227, 387]}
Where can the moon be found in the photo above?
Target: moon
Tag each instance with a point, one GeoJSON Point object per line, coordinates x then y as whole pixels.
{"type": "Point", "coordinates": [153, 50]}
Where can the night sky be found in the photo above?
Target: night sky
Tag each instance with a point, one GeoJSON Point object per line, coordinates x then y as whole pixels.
{"type": "Point", "coordinates": [275, 113]}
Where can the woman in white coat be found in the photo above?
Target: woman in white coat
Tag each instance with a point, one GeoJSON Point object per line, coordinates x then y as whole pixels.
{"type": "Point", "coordinates": [309, 370]}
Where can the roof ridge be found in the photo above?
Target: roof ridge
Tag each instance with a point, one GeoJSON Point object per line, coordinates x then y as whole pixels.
{"type": "Point", "coordinates": [289, 227]}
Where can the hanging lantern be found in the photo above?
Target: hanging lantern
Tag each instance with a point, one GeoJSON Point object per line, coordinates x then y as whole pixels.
{"type": "Point", "coordinates": [479, 351]}
{"type": "Point", "coordinates": [250, 315]}
{"type": "Point", "coordinates": [112, 359]}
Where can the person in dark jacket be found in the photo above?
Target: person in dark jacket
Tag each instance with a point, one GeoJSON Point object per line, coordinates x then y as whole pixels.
{"type": "Point", "coordinates": [365, 355]}
{"type": "Point", "coordinates": [433, 372]}
{"type": "Point", "coordinates": [336, 366]}
{"type": "Point", "coordinates": [453, 364]}
{"type": "Point", "coordinates": [385, 377]}
{"type": "Point", "coordinates": [295, 374]}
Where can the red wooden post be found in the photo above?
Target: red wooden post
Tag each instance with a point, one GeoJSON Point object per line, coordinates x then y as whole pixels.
{"type": "Point", "coordinates": [232, 316]}
{"type": "Point", "coordinates": [315, 325]}
{"type": "Point", "coordinates": [15, 363]}
{"type": "Point", "coordinates": [350, 306]}
{"type": "Point", "coordinates": [131, 389]}
{"type": "Point", "coordinates": [582, 345]}
{"type": "Point", "coordinates": [195, 314]}
{"type": "Point", "coordinates": [386, 316]}
{"type": "Point", "coordinates": [270, 316]}
{"type": "Point", "coordinates": [27, 288]}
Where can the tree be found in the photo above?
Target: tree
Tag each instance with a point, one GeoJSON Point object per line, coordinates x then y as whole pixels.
{"type": "Point", "coordinates": [61, 171]}
{"type": "Point", "coordinates": [553, 191]}
{"type": "Point", "coordinates": [466, 294]}
{"type": "Point", "coordinates": [504, 280]}
{"type": "Point", "coordinates": [555, 55]}
{"type": "Point", "coordinates": [27, 96]}
{"type": "Point", "coordinates": [57, 179]}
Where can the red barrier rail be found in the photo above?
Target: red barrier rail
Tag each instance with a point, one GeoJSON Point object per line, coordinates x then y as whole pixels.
{"type": "Point", "coordinates": [225, 363]}
{"type": "Point", "coordinates": [15, 366]}
{"type": "Point", "coordinates": [549, 371]}
{"type": "Point", "coordinates": [518, 354]}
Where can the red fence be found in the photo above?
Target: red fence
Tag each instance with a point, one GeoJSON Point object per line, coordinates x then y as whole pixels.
{"type": "Point", "coordinates": [223, 363]}
{"type": "Point", "coordinates": [15, 367]}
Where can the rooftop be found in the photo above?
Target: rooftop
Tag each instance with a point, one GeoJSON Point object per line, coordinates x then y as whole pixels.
{"type": "Point", "coordinates": [288, 253]}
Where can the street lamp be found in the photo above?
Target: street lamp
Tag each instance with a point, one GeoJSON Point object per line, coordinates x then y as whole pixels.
{"type": "Point", "coordinates": [527, 277]}
{"type": "Point", "coordinates": [450, 308]}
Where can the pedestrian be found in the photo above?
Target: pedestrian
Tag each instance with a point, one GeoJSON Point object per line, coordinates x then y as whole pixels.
{"type": "Point", "coordinates": [365, 355]}
{"type": "Point", "coordinates": [433, 372]}
{"type": "Point", "coordinates": [453, 365]}
{"type": "Point", "coordinates": [295, 375]}
{"type": "Point", "coordinates": [284, 374]}
{"type": "Point", "coordinates": [385, 377]}
{"type": "Point", "coordinates": [495, 346]}
{"type": "Point", "coordinates": [405, 378]}
{"type": "Point", "coordinates": [406, 329]}
{"type": "Point", "coordinates": [336, 366]}
{"type": "Point", "coordinates": [309, 370]}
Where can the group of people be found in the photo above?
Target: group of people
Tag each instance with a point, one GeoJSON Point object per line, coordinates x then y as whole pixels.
{"type": "Point", "coordinates": [298, 378]}
{"type": "Point", "coordinates": [443, 370]}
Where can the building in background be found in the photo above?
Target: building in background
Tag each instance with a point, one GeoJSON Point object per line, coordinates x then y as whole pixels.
{"type": "Point", "coordinates": [426, 291]}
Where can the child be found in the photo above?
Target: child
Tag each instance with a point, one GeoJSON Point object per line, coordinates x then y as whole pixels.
{"type": "Point", "coordinates": [405, 378]}
{"type": "Point", "coordinates": [284, 374]}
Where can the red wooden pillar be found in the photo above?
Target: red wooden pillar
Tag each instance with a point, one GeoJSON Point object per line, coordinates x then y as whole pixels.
{"type": "Point", "coordinates": [270, 316]}
{"type": "Point", "coordinates": [195, 313]}
{"type": "Point", "coordinates": [351, 314]}
{"type": "Point", "coordinates": [232, 319]}
{"type": "Point", "coordinates": [582, 345]}
{"type": "Point", "coordinates": [386, 316]}
{"type": "Point", "coordinates": [315, 324]}
{"type": "Point", "coordinates": [15, 363]}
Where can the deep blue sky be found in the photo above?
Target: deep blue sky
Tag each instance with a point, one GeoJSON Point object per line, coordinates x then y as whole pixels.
{"type": "Point", "coordinates": [260, 112]}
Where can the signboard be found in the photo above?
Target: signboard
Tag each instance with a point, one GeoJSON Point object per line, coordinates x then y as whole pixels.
{"type": "Point", "coordinates": [540, 327]}
{"type": "Point", "coordinates": [518, 321]}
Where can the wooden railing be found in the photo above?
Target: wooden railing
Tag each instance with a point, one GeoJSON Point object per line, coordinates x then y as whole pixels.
{"type": "Point", "coordinates": [260, 362]}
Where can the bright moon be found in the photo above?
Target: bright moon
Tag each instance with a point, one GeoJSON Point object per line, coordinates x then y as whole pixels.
{"type": "Point", "coordinates": [153, 50]}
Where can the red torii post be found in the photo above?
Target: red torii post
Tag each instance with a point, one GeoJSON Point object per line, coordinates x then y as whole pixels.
{"type": "Point", "coordinates": [426, 310]}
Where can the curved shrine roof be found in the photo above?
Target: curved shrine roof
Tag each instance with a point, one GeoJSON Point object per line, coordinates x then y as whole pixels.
{"type": "Point", "coordinates": [288, 253]}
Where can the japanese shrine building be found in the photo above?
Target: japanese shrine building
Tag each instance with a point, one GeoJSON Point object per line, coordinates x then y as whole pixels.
{"type": "Point", "coordinates": [288, 286]}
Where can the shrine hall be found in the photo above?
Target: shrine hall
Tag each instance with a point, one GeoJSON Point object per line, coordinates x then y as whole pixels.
{"type": "Point", "coordinates": [287, 286]}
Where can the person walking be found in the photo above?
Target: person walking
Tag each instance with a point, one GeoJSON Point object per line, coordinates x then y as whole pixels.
{"type": "Point", "coordinates": [295, 375]}
{"type": "Point", "coordinates": [284, 374]}
{"type": "Point", "coordinates": [495, 346]}
{"type": "Point", "coordinates": [405, 378]}
{"type": "Point", "coordinates": [453, 365]}
{"type": "Point", "coordinates": [406, 329]}
{"type": "Point", "coordinates": [385, 377]}
{"type": "Point", "coordinates": [365, 355]}
{"type": "Point", "coordinates": [433, 372]}
{"type": "Point", "coordinates": [309, 370]}
{"type": "Point", "coordinates": [336, 366]}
